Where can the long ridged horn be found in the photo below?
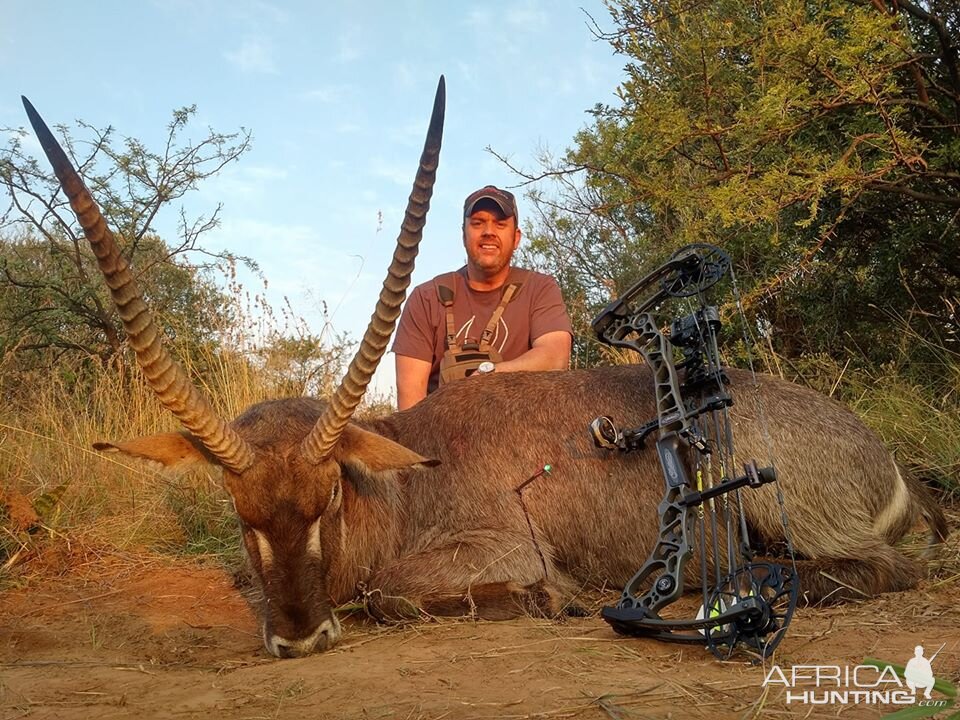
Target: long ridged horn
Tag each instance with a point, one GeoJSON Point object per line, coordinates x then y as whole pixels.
{"type": "Point", "coordinates": [165, 377]}
{"type": "Point", "coordinates": [325, 434]}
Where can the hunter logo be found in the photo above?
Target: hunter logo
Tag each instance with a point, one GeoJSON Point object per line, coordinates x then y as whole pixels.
{"type": "Point", "coordinates": [919, 673]}
{"type": "Point", "coordinates": [873, 682]}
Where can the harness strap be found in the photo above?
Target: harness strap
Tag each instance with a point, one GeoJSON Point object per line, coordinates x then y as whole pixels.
{"type": "Point", "coordinates": [446, 292]}
{"type": "Point", "coordinates": [495, 318]}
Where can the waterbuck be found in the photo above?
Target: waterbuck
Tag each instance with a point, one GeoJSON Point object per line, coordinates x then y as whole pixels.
{"type": "Point", "coordinates": [418, 510]}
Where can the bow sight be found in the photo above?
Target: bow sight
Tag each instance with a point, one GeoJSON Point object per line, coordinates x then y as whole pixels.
{"type": "Point", "coordinates": [744, 603]}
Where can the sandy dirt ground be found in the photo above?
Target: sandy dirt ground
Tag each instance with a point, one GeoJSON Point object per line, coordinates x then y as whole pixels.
{"type": "Point", "coordinates": [133, 637]}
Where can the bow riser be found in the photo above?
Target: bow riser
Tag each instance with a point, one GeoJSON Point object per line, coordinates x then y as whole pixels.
{"type": "Point", "coordinates": [744, 603]}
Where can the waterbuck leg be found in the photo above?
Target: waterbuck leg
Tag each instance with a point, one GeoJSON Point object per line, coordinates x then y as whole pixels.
{"type": "Point", "coordinates": [486, 575]}
{"type": "Point", "coordinates": [870, 570]}
{"type": "Point", "coordinates": [488, 601]}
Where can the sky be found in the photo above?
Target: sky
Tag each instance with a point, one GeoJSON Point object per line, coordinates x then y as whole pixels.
{"type": "Point", "coordinates": [337, 96]}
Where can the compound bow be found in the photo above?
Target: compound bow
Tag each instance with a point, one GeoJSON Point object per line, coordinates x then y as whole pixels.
{"type": "Point", "coordinates": [744, 603]}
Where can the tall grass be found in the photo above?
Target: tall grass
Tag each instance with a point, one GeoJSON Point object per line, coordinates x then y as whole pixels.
{"type": "Point", "coordinates": [78, 495]}
{"type": "Point", "coordinates": [108, 500]}
{"type": "Point", "coordinates": [914, 406]}
{"type": "Point", "coordinates": [912, 402]}
{"type": "Point", "coordinates": [52, 416]}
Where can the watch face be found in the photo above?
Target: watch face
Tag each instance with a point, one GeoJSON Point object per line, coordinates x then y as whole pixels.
{"type": "Point", "coordinates": [485, 367]}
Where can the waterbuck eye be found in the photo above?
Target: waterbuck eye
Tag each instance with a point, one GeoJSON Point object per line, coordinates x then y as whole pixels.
{"type": "Point", "coordinates": [335, 495]}
{"type": "Point", "coordinates": [314, 546]}
{"type": "Point", "coordinates": [264, 548]}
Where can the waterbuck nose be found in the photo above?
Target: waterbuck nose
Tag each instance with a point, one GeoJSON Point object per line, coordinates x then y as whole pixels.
{"type": "Point", "coordinates": [284, 649]}
{"type": "Point", "coordinates": [324, 637]}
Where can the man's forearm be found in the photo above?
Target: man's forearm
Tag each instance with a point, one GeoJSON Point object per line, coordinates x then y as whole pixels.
{"type": "Point", "coordinates": [408, 397]}
{"type": "Point", "coordinates": [413, 376]}
{"type": "Point", "coordinates": [548, 357]}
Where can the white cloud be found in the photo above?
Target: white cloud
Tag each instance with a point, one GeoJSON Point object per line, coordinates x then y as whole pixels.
{"type": "Point", "coordinates": [260, 238]}
{"type": "Point", "coordinates": [466, 71]}
{"type": "Point", "coordinates": [292, 257]}
{"type": "Point", "coordinates": [242, 183]}
{"type": "Point", "coordinates": [324, 95]}
{"type": "Point", "coordinates": [328, 94]}
{"type": "Point", "coordinates": [529, 16]}
{"type": "Point", "coordinates": [349, 47]}
{"type": "Point", "coordinates": [255, 55]}
{"type": "Point", "coordinates": [479, 17]}
{"type": "Point", "coordinates": [265, 172]}
{"type": "Point", "coordinates": [394, 172]}
{"type": "Point", "coordinates": [404, 76]}
{"type": "Point", "coordinates": [258, 12]}
{"type": "Point", "coordinates": [304, 264]}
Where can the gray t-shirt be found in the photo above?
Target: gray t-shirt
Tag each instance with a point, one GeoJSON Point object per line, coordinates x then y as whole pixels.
{"type": "Point", "coordinates": [536, 309]}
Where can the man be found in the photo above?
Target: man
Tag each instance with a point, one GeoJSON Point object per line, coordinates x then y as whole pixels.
{"type": "Point", "coordinates": [485, 317]}
{"type": "Point", "coordinates": [919, 673]}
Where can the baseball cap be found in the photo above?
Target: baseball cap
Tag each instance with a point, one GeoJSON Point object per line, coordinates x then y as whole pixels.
{"type": "Point", "coordinates": [504, 200]}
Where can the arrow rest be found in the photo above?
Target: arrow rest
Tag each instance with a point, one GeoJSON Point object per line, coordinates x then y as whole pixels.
{"type": "Point", "coordinates": [746, 605]}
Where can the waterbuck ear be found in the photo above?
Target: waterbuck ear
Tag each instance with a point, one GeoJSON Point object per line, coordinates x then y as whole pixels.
{"type": "Point", "coordinates": [177, 450]}
{"type": "Point", "coordinates": [376, 453]}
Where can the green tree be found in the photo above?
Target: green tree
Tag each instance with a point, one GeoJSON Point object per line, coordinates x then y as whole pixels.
{"type": "Point", "coordinates": [52, 298]}
{"type": "Point", "coordinates": [48, 310]}
{"type": "Point", "coordinates": [818, 142]}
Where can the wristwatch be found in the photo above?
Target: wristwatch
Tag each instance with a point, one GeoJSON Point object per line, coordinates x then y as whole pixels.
{"type": "Point", "coordinates": [486, 367]}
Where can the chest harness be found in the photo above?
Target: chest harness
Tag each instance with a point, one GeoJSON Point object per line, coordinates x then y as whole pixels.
{"type": "Point", "coordinates": [462, 358]}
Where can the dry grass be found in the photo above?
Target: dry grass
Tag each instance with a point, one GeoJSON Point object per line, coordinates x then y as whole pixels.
{"type": "Point", "coordinates": [80, 495]}
{"type": "Point", "coordinates": [69, 493]}
{"type": "Point", "coordinates": [915, 410]}
{"type": "Point", "coordinates": [50, 420]}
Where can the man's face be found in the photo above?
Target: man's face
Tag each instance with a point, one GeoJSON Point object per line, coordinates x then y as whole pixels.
{"type": "Point", "coordinates": [490, 239]}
